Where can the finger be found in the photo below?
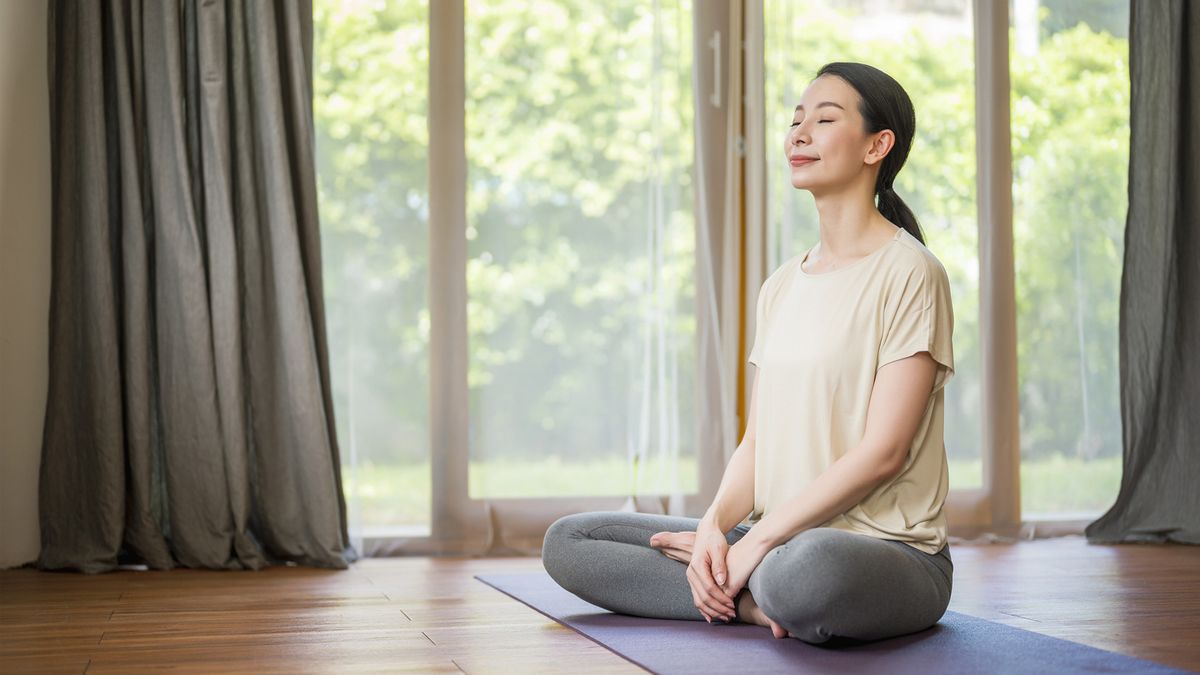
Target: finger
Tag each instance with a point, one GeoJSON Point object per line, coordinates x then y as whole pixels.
{"type": "Point", "coordinates": [697, 590]}
{"type": "Point", "coordinates": [708, 584]}
{"type": "Point", "coordinates": [702, 600]}
{"type": "Point", "coordinates": [719, 603]}
{"type": "Point", "coordinates": [719, 569]}
{"type": "Point", "coordinates": [717, 609]}
{"type": "Point", "coordinates": [710, 600]}
{"type": "Point", "coordinates": [695, 593]}
{"type": "Point", "coordinates": [719, 572]}
{"type": "Point", "coordinates": [724, 602]}
{"type": "Point", "coordinates": [718, 595]}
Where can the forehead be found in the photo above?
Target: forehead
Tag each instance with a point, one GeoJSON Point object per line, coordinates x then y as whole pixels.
{"type": "Point", "coordinates": [829, 88]}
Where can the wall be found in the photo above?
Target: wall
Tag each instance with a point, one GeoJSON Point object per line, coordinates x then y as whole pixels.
{"type": "Point", "coordinates": [24, 271]}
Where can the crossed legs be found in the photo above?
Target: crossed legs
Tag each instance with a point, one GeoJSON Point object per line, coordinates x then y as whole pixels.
{"type": "Point", "coordinates": [823, 583]}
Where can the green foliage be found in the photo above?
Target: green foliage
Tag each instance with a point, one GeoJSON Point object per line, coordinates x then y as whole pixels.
{"type": "Point", "coordinates": [1071, 158]}
{"type": "Point", "coordinates": [370, 84]}
{"type": "Point", "coordinates": [579, 121]}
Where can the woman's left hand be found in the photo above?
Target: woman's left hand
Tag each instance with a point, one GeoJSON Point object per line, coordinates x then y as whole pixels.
{"type": "Point", "coordinates": [741, 560]}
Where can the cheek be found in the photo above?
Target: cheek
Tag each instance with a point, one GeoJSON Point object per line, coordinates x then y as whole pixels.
{"type": "Point", "coordinates": [836, 144]}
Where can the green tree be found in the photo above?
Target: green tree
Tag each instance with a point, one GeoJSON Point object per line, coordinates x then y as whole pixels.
{"type": "Point", "coordinates": [580, 128]}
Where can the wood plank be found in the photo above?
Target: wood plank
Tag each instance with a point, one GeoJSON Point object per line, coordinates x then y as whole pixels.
{"type": "Point", "coordinates": [430, 614]}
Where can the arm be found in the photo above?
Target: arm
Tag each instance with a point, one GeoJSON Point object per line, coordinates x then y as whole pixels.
{"type": "Point", "coordinates": [735, 497]}
{"type": "Point", "coordinates": [898, 399]}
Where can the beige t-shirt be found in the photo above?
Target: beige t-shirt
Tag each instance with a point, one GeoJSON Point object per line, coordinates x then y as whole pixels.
{"type": "Point", "coordinates": [819, 340]}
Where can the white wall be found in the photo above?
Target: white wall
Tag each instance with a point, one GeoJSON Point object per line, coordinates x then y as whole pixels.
{"type": "Point", "coordinates": [24, 270]}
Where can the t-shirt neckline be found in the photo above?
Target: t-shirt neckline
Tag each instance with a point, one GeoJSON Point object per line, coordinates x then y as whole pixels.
{"type": "Point", "coordinates": [899, 232]}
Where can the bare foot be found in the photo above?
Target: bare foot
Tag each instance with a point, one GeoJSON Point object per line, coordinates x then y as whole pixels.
{"type": "Point", "coordinates": [749, 612]}
{"type": "Point", "coordinates": [676, 545]}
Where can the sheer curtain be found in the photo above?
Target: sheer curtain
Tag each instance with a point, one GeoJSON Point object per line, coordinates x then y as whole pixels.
{"type": "Point", "coordinates": [580, 249]}
{"type": "Point", "coordinates": [1069, 80]}
{"type": "Point", "coordinates": [599, 321]}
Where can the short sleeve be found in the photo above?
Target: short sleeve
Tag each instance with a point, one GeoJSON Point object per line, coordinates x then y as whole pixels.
{"type": "Point", "coordinates": [760, 325]}
{"type": "Point", "coordinates": [919, 317]}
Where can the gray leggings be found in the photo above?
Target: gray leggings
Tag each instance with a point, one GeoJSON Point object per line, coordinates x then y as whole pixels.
{"type": "Point", "coordinates": [824, 584]}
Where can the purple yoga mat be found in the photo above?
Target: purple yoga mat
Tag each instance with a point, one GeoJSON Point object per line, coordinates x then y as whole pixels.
{"type": "Point", "coordinates": [957, 644]}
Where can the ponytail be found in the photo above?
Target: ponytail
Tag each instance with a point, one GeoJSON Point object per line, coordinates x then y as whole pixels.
{"type": "Point", "coordinates": [892, 207]}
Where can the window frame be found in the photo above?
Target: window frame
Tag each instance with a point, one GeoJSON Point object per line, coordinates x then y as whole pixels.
{"type": "Point", "coordinates": [461, 525]}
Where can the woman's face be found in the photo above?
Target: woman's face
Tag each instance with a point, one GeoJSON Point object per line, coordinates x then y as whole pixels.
{"type": "Point", "coordinates": [826, 146]}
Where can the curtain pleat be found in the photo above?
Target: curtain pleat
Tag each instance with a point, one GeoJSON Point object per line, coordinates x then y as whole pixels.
{"type": "Point", "coordinates": [189, 418]}
{"type": "Point", "coordinates": [1159, 499]}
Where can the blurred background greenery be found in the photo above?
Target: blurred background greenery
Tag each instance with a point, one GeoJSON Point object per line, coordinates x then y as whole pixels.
{"type": "Point", "coordinates": [581, 228]}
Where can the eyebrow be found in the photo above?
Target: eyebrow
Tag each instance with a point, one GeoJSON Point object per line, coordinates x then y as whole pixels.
{"type": "Point", "coordinates": [822, 104]}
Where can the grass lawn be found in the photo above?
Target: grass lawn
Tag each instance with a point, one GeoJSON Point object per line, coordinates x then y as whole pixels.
{"type": "Point", "coordinates": [398, 494]}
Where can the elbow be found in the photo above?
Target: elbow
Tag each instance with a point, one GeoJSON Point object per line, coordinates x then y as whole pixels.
{"type": "Point", "coordinates": [891, 471]}
{"type": "Point", "coordinates": [896, 463]}
{"type": "Point", "coordinates": [888, 454]}
{"type": "Point", "coordinates": [890, 462]}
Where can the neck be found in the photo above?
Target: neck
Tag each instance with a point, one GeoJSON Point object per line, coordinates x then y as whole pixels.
{"type": "Point", "coordinates": [851, 225]}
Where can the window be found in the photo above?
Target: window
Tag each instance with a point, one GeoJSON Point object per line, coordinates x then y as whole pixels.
{"type": "Point", "coordinates": [580, 274]}
{"type": "Point", "coordinates": [1070, 138]}
{"type": "Point", "coordinates": [581, 375]}
{"type": "Point", "coordinates": [369, 102]}
{"type": "Point", "coordinates": [580, 236]}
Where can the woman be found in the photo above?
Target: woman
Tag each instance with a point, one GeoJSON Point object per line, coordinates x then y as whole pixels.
{"type": "Point", "coordinates": [842, 469]}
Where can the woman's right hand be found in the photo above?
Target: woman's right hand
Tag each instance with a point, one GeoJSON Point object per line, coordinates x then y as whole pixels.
{"type": "Point", "coordinates": [707, 571]}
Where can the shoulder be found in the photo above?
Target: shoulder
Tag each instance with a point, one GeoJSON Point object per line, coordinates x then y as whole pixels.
{"type": "Point", "coordinates": [911, 263]}
{"type": "Point", "coordinates": [781, 275]}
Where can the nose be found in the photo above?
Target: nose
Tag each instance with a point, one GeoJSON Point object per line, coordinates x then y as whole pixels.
{"type": "Point", "coordinates": [798, 134]}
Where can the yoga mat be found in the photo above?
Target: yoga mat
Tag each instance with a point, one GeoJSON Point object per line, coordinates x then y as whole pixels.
{"type": "Point", "coordinates": [958, 643]}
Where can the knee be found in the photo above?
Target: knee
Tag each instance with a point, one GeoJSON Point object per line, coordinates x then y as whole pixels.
{"type": "Point", "coordinates": [802, 586]}
{"type": "Point", "coordinates": [556, 546]}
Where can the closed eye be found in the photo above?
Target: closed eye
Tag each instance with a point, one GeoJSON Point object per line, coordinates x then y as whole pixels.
{"type": "Point", "coordinates": [819, 122]}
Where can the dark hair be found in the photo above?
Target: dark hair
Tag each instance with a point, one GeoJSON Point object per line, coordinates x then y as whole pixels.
{"type": "Point", "coordinates": [884, 104]}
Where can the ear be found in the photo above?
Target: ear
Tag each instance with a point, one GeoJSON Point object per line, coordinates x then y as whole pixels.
{"type": "Point", "coordinates": [880, 146]}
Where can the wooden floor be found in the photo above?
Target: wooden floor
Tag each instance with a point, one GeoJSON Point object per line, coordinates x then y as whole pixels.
{"type": "Point", "coordinates": [430, 615]}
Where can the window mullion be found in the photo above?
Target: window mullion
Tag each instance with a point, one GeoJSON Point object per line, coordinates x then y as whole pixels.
{"type": "Point", "coordinates": [448, 357]}
{"type": "Point", "coordinates": [997, 297]}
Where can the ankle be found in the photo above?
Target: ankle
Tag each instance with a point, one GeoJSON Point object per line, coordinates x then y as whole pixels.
{"type": "Point", "coordinates": [746, 610]}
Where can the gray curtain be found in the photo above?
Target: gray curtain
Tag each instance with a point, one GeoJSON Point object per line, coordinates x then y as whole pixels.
{"type": "Point", "coordinates": [1159, 499]}
{"type": "Point", "coordinates": [189, 418]}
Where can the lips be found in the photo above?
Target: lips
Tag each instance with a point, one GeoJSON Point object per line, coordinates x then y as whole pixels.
{"type": "Point", "coordinates": [801, 160]}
